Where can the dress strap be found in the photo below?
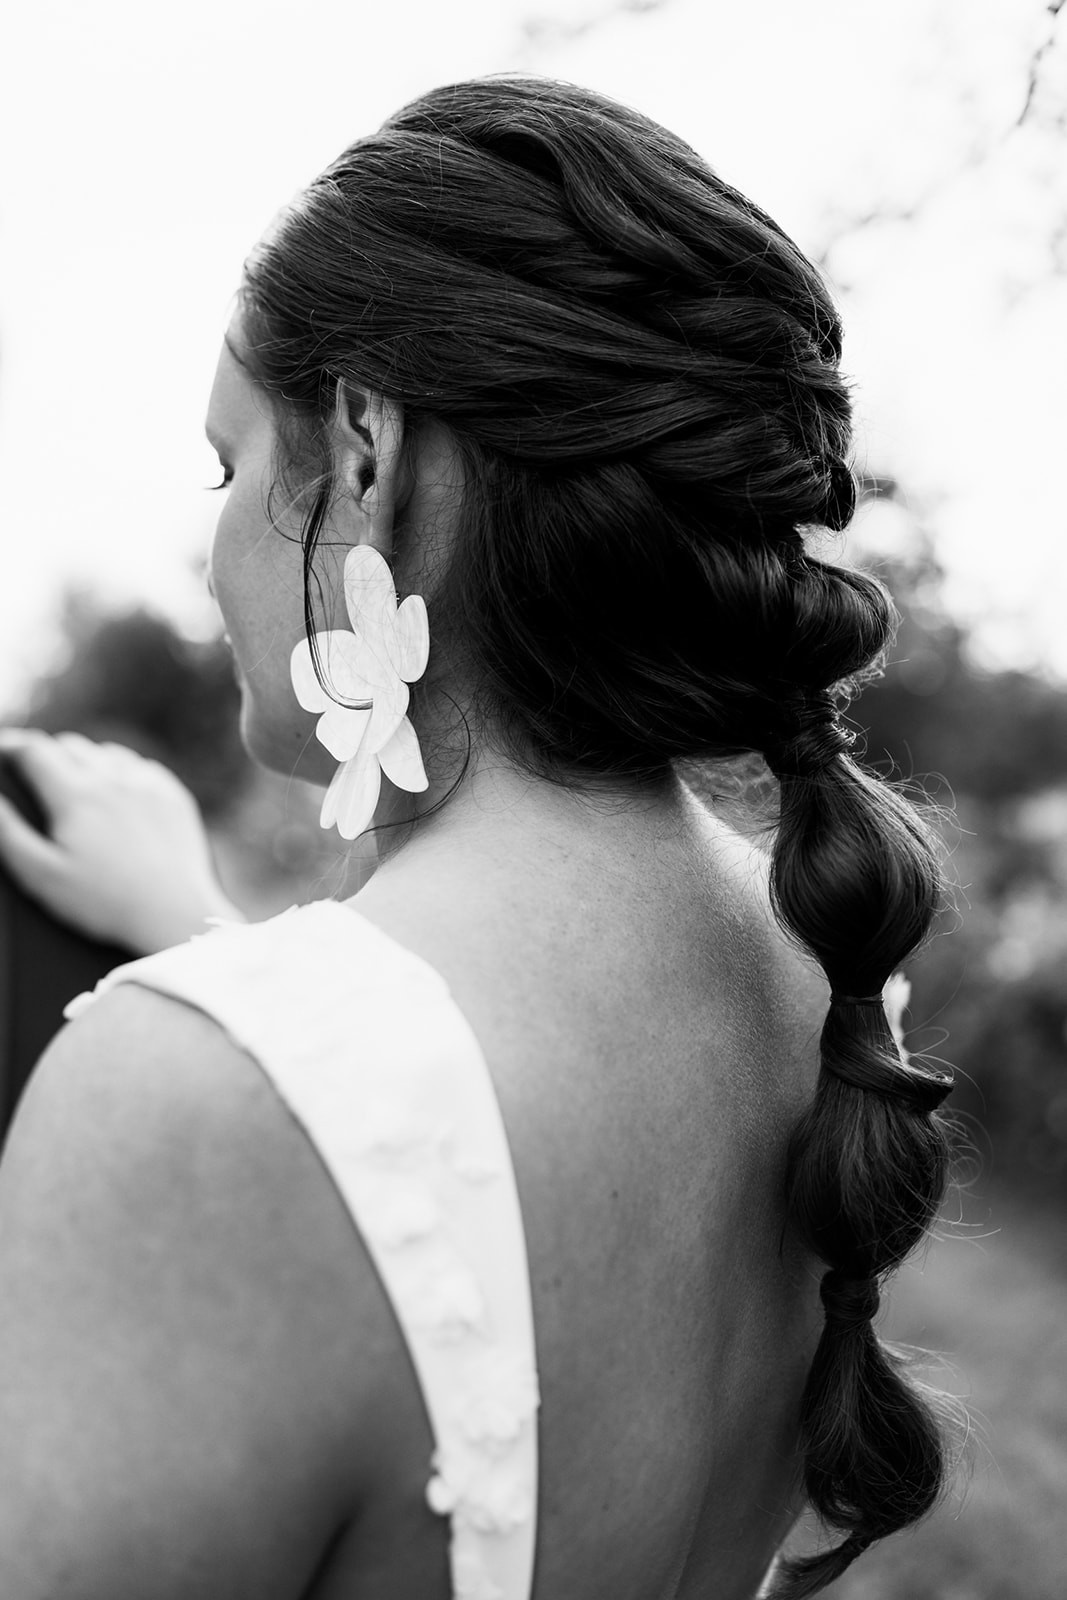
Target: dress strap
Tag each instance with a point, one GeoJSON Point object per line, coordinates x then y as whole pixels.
{"type": "Point", "coordinates": [374, 1059]}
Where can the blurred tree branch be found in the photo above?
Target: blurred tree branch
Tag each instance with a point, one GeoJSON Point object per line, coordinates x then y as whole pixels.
{"type": "Point", "coordinates": [1053, 8]}
{"type": "Point", "coordinates": [1036, 110]}
{"type": "Point", "coordinates": [984, 148]}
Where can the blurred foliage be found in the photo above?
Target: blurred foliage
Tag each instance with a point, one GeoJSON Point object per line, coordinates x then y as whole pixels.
{"type": "Point", "coordinates": [992, 997]}
{"type": "Point", "coordinates": [994, 736]}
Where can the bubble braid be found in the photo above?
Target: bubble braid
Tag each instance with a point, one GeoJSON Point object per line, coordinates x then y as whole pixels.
{"type": "Point", "coordinates": [855, 879]}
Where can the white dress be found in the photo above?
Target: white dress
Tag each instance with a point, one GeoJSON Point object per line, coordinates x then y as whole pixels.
{"type": "Point", "coordinates": [369, 1052]}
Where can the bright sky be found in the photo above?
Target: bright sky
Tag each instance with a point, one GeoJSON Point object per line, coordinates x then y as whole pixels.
{"type": "Point", "coordinates": [143, 148]}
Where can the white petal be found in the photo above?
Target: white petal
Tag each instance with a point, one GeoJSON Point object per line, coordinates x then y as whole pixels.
{"type": "Point", "coordinates": [368, 567]}
{"type": "Point", "coordinates": [340, 655]}
{"type": "Point", "coordinates": [373, 659]}
{"type": "Point", "coordinates": [342, 729]}
{"type": "Point", "coordinates": [369, 589]}
{"type": "Point", "coordinates": [360, 799]}
{"type": "Point", "coordinates": [390, 704]}
{"type": "Point", "coordinates": [343, 664]}
{"type": "Point", "coordinates": [371, 600]}
{"type": "Point", "coordinates": [353, 795]}
{"type": "Point", "coordinates": [412, 637]}
{"type": "Point", "coordinates": [331, 799]}
{"type": "Point", "coordinates": [309, 691]}
{"type": "Point", "coordinates": [896, 998]}
{"type": "Point", "coordinates": [401, 760]}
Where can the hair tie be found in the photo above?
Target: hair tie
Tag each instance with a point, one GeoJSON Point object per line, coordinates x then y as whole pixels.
{"type": "Point", "coordinates": [814, 739]}
{"type": "Point", "coordinates": [893, 1073]}
{"type": "Point", "coordinates": [850, 1303]}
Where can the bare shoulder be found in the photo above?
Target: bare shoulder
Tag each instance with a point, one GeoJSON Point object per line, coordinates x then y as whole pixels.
{"type": "Point", "coordinates": [137, 1072]}
{"type": "Point", "coordinates": [171, 1352]}
{"type": "Point", "coordinates": [144, 1109]}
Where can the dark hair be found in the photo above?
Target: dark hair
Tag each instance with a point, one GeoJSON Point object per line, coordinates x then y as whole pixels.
{"type": "Point", "coordinates": [640, 371]}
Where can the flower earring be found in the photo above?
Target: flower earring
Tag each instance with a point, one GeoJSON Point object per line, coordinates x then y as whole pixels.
{"type": "Point", "coordinates": [387, 649]}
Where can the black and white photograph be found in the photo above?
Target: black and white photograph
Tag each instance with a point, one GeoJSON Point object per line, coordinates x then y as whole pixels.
{"type": "Point", "coordinates": [576, 486]}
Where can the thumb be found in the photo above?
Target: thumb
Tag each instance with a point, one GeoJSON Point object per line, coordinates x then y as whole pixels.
{"type": "Point", "coordinates": [28, 856]}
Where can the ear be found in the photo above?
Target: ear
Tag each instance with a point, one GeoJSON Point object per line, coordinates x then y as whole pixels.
{"type": "Point", "coordinates": [369, 455]}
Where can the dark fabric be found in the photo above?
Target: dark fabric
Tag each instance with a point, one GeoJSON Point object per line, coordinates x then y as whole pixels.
{"type": "Point", "coordinates": [43, 964]}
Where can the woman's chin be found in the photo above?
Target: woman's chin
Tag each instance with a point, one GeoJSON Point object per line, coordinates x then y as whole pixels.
{"type": "Point", "coordinates": [295, 754]}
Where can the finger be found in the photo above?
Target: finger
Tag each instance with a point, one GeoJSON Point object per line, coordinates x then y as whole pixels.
{"type": "Point", "coordinates": [92, 755]}
{"type": "Point", "coordinates": [50, 769]}
{"type": "Point", "coordinates": [77, 745]}
{"type": "Point", "coordinates": [12, 740]}
{"type": "Point", "coordinates": [129, 762]}
{"type": "Point", "coordinates": [28, 856]}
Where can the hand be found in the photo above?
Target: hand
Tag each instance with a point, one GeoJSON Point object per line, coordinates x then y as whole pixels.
{"type": "Point", "coordinates": [126, 859]}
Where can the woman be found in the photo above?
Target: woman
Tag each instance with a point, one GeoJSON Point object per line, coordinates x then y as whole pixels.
{"type": "Point", "coordinates": [521, 355]}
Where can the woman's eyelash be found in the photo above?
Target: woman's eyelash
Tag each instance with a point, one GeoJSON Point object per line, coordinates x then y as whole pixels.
{"type": "Point", "coordinates": [227, 479]}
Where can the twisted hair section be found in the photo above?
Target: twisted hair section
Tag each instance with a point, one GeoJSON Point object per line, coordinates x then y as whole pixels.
{"type": "Point", "coordinates": [640, 373]}
{"type": "Point", "coordinates": [564, 282]}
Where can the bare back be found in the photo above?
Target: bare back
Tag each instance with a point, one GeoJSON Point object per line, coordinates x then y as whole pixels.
{"type": "Point", "coordinates": [185, 1278]}
{"type": "Point", "coordinates": [652, 1039]}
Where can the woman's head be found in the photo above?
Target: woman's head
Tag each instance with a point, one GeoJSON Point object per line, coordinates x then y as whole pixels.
{"type": "Point", "coordinates": [638, 374]}
{"type": "Point", "coordinates": [586, 399]}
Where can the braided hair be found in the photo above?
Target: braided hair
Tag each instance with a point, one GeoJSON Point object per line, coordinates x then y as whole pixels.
{"type": "Point", "coordinates": [641, 374]}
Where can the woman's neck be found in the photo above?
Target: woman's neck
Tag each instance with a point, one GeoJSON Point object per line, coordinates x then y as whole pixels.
{"type": "Point", "coordinates": [501, 810]}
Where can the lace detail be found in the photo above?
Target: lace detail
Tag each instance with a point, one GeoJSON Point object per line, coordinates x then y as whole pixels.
{"type": "Point", "coordinates": [367, 1048]}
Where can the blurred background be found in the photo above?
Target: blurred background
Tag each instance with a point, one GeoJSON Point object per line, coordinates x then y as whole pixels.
{"type": "Point", "coordinates": [919, 153]}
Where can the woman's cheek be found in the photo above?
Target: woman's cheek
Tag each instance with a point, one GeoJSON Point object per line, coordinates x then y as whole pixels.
{"type": "Point", "coordinates": [257, 580]}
